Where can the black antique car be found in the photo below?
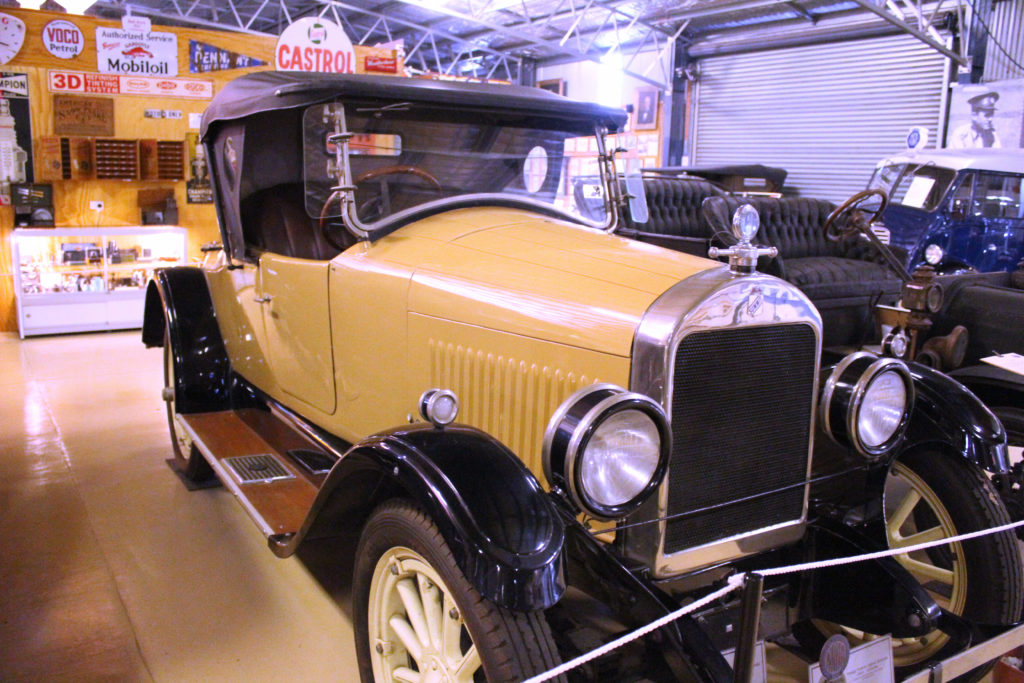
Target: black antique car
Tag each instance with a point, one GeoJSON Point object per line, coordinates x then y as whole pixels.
{"type": "Point", "coordinates": [546, 434]}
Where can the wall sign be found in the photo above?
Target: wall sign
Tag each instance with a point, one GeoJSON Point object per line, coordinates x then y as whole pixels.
{"type": "Point", "coordinates": [381, 65]}
{"type": "Point", "coordinates": [15, 133]}
{"type": "Point", "coordinates": [12, 35]}
{"type": "Point", "coordinates": [203, 58]}
{"type": "Point", "coordinates": [109, 84]}
{"type": "Point", "coordinates": [314, 44]}
{"type": "Point", "coordinates": [63, 39]}
{"type": "Point", "coordinates": [143, 53]}
{"type": "Point", "coordinates": [86, 116]}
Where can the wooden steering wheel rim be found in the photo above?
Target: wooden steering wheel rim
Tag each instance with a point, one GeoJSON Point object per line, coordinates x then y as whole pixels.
{"type": "Point", "coordinates": [396, 169]}
{"type": "Point", "coordinates": [851, 204]}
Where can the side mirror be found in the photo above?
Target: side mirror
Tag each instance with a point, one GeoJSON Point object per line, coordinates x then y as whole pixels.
{"type": "Point", "coordinates": [637, 198]}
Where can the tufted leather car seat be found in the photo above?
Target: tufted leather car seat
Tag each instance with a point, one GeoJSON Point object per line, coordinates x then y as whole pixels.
{"type": "Point", "coordinates": [675, 219]}
{"type": "Point", "coordinates": [275, 220]}
{"type": "Point", "coordinates": [844, 279]}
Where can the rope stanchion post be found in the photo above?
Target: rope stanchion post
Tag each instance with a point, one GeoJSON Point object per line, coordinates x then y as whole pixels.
{"type": "Point", "coordinates": [750, 618]}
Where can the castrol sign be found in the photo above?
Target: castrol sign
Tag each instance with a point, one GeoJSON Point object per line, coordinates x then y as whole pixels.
{"type": "Point", "coordinates": [63, 39]}
{"type": "Point", "coordinates": [315, 44]}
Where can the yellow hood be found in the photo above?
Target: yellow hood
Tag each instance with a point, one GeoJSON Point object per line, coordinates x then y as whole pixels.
{"type": "Point", "coordinates": [528, 275]}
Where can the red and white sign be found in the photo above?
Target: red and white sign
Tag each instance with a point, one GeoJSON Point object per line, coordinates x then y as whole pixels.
{"type": "Point", "coordinates": [136, 53]}
{"type": "Point", "coordinates": [314, 44]}
{"type": "Point", "coordinates": [63, 39]}
{"type": "Point", "coordinates": [112, 84]}
{"type": "Point", "coordinates": [381, 65]}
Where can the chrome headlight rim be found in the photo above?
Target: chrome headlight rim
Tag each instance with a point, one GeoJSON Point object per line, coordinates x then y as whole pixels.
{"type": "Point", "coordinates": [842, 400]}
{"type": "Point", "coordinates": [570, 430]}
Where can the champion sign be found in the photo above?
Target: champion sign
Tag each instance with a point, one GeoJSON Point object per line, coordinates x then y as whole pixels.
{"type": "Point", "coordinates": [63, 39]}
{"type": "Point", "coordinates": [315, 44]}
{"type": "Point", "coordinates": [136, 53]}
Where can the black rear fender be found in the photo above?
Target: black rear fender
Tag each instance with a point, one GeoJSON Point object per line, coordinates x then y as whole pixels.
{"type": "Point", "coordinates": [502, 528]}
{"type": "Point", "coordinates": [178, 302]}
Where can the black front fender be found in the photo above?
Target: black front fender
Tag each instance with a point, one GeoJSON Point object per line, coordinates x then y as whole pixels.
{"type": "Point", "coordinates": [502, 528]}
{"type": "Point", "coordinates": [947, 411]}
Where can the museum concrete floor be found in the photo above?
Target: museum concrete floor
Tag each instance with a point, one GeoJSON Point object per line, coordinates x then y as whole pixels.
{"type": "Point", "coordinates": [110, 570]}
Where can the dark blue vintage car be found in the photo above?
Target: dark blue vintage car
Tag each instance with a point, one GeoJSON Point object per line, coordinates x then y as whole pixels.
{"type": "Point", "coordinates": [956, 210]}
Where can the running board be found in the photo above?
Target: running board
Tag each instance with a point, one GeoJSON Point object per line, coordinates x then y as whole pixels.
{"type": "Point", "coordinates": [247, 449]}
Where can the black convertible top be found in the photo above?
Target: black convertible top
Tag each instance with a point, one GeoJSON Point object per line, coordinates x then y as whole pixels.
{"type": "Point", "coordinates": [274, 90]}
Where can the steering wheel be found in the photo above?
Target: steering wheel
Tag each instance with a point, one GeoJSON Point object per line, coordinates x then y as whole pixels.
{"type": "Point", "coordinates": [381, 204]}
{"type": "Point", "coordinates": [849, 217]}
{"type": "Point", "coordinates": [378, 203]}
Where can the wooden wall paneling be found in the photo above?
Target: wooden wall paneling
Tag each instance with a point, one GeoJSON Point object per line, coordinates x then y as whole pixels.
{"type": "Point", "coordinates": [8, 312]}
{"type": "Point", "coordinates": [72, 197]}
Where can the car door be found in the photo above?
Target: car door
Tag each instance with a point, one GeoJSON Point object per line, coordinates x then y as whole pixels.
{"type": "Point", "coordinates": [296, 320]}
{"type": "Point", "coordinates": [996, 214]}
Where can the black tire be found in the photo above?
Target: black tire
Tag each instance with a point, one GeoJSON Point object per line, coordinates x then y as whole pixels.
{"type": "Point", "coordinates": [188, 460]}
{"type": "Point", "coordinates": [401, 545]}
{"type": "Point", "coordinates": [985, 580]}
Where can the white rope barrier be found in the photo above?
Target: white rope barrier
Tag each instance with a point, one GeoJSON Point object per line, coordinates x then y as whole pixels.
{"type": "Point", "coordinates": [737, 580]}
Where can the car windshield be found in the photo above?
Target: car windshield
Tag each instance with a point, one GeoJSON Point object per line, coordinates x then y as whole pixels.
{"type": "Point", "coordinates": [920, 186]}
{"type": "Point", "coordinates": [404, 159]}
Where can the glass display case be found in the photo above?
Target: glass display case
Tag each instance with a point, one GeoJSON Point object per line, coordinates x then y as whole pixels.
{"type": "Point", "coordinates": [85, 279]}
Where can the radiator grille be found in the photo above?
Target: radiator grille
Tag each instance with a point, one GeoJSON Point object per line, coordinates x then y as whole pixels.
{"type": "Point", "coordinates": [741, 417]}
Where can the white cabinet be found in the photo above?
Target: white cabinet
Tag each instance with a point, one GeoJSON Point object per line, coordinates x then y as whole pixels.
{"type": "Point", "coordinates": [86, 279]}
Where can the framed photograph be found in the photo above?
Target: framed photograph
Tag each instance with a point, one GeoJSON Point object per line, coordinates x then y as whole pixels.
{"type": "Point", "coordinates": [645, 113]}
{"type": "Point", "coordinates": [986, 115]}
{"type": "Point", "coordinates": [555, 85]}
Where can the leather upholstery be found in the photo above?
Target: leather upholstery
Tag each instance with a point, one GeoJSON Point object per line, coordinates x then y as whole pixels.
{"type": "Point", "coordinates": [275, 220]}
{"type": "Point", "coordinates": [674, 207]}
{"type": "Point", "coordinates": [675, 221]}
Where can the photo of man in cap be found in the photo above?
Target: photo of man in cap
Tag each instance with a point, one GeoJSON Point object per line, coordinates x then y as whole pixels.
{"type": "Point", "coordinates": [980, 131]}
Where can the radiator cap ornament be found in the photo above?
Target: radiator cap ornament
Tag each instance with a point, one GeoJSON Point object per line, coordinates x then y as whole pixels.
{"type": "Point", "coordinates": [743, 255]}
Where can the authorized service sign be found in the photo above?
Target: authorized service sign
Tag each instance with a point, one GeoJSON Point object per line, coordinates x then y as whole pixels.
{"type": "Point", "coordinates": [110, 84]}
{"type": "Point", "coordinates": [315, 44]}
{"type": "Point", "coordinates": [136, 53]}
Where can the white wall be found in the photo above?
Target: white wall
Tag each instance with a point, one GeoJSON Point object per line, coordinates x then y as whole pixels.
{"type": "Point", "coordinates": [595, 82]}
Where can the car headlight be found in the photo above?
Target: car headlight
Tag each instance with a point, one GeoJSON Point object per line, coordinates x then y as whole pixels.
{"type": "Point", "coordinates": [866, 403]}
{"type": "Point", "coordinates": [608, 449]}
{"type": "Point", "coordinates": [933, 254]}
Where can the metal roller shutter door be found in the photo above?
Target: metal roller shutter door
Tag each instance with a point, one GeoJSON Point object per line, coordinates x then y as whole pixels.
{"type": "Point", "coordinates": [825, 113]}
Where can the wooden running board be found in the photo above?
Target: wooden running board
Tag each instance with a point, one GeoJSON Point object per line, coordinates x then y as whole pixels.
{"type": "Point", "coordinates": [272, 489]}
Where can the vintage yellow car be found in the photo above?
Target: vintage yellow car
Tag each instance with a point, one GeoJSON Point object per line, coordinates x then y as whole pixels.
{"type": "Point", "coordinates": [544, 432]}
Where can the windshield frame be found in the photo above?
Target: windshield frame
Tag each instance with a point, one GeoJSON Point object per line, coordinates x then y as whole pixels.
{"type": "Point", "coordinates": [344, 190]}
{"type": "Point", "coordinates": [908, 171]}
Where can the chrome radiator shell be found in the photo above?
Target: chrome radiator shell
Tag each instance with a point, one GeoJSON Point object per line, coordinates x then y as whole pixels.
{"type": "Point", "coordinates": [713, 305]}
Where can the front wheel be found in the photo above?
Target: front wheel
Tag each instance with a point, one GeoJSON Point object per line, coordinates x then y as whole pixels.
{"type": "Point", "coordinates": [417, 618]}
{"type": "Point", "coordinates": [930, 496]}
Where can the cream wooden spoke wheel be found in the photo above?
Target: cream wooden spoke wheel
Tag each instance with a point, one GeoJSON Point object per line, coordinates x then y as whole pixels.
{"type": "Point", "coordinates": [931, 494]}
{"type": "Point", "coordinates": [417, 632]}
{"type": "Point", "coordinates": [418, 619]}
{"type": "Point", "coordinates": [915, 514]}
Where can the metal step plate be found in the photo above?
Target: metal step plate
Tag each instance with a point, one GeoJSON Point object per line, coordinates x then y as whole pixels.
{"type": "Point", "coordinates": [254, 469]}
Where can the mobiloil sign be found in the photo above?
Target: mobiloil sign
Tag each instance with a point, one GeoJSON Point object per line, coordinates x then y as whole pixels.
{"type": "Point", "coordinates": [143, 53]}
